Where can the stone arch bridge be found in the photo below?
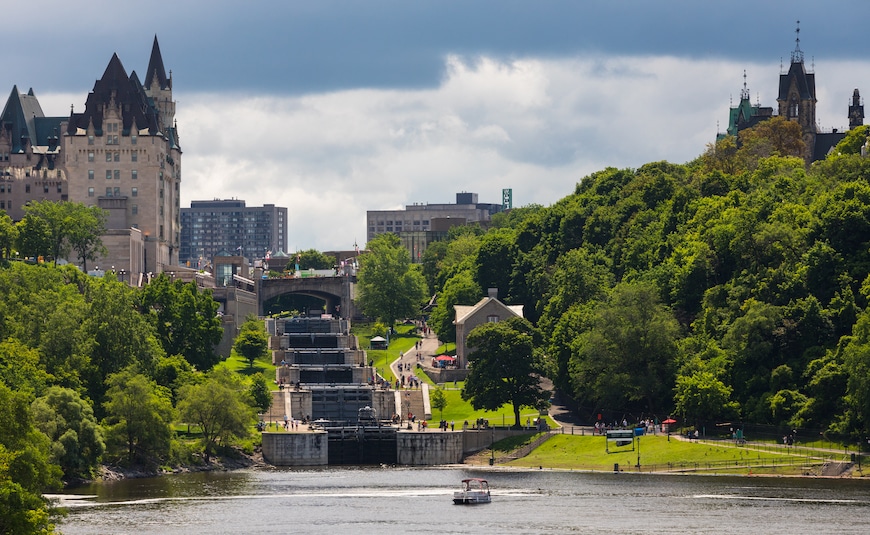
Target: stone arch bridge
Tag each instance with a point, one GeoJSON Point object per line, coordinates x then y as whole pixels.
{"type": "Point", "coordinates": [336, 291]}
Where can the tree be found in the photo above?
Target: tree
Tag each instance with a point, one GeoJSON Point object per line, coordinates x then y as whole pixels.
{"type": "Point", "coordinates": [34, 237]}
{"type": "Point", "coordinates": [504, 367]}
{"type": "Point", "coordinates": [311, 259]}
{"type": "Point", "coordinates": [626, 360]}
{"type": "Point", "coordinates": [852, 143]}
{"type": "Point", "coordinates": [856, 357]}
{"type": "Point", "coordinates": [85, 226]}
{"type": "Point", "coordinates": [8, 235]}
{"type": "Point", "coordinates": [431, 261]}
{"type": "Point", "coordinates": [112, 336]}
{"type": "Point", "coordinates": [185, 319]}
{"type": "Point", "coordinates": [219, 408]}
{"type": "Point", "coordinates": [390, 287]}
{"type": "Point", "coordinates": [25, 469]}
{"type": "Point", "coordinates": [461, 289]}
{"type": "Point", "coordinates": [173, 372]}
{"type": "Point", "coordinates": [76, 436]}
{"type": "Point", "coordinates": [70, 226]}
{"type": "Point", "coordinates": [494, 261]}
{"type": "Point", "coordinates": [439, 401]}
{"type": "Point", "coordinates": [261, 396]}
{"type": "Point", "coordinates": [252, 341]}
{"type": "Point", "coordinates": [722, 156]}
{"type": "Point", "coordinates": [138, 418]}
{"type": "Point", "coordinates": [776, 136]}
{"type": "Point", "coordinates": [20, 368]}
{"type": "Point", "coordinates": [702, 398]}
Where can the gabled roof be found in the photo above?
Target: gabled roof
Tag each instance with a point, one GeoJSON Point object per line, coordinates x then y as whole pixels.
{"type": "Point", "coordinates": [19, 119]}
{"type": "Point", "coordinates": [463, 312]}
{"type": "Point", "coordinates": [156, 69]}
{"type": "Point", "coordinates": [24, 123]}
{"type": "Point", "coordinates": [126, 94]}
{"type": "Point", "coordinates": [805, 83]}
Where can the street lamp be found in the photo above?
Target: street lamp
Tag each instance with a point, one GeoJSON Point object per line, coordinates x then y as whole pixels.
{"type": "Point", "coordinates": [492, 445]}
{"type": "Point", "coordinates": [638, 452]}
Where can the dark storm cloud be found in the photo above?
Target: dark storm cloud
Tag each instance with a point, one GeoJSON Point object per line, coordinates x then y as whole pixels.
{"type": "Point", "coordinates": [297, 47]}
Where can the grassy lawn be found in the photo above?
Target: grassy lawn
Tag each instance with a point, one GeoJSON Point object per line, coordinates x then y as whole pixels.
{"type": "Point", "coordinates": [239, 364]}
{"type": "Point", "coordinates": [402, 341]}
{"type": "Point", "coordinates": [459, 410]}
{"type": "Point", "coordinates": [656, 453]}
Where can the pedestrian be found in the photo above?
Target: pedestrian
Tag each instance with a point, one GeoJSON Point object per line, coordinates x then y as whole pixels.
{"type": "Point", "coordinates": [451, 425]}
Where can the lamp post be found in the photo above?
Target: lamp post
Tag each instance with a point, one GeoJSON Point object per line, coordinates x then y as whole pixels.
{"type": "Point", "coordinates": [638, 452]}
{"type": "Point", "coordinates": [492, 445]}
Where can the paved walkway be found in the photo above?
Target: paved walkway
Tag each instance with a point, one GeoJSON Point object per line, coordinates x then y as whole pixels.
{"type": "Point", "coordinates": [428, 347]}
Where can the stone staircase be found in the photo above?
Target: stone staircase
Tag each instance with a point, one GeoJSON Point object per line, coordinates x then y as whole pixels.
{"type": "Point", "coordinates": [278, 409]}
{"type": "Point", "coordinates": [415, 401]}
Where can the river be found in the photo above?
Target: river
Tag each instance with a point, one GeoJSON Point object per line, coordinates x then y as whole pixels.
{"type": "Point", "coordinates": [368, 500]}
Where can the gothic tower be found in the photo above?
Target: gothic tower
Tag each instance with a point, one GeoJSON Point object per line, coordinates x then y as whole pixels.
{"type": "Point", "coordinates": [856, 110]}
{"type": "Point", "coordinates": [797, 96]}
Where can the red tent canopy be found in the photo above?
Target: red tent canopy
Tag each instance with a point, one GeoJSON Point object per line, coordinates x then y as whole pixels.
{"type": "Point", "coordinates": [445, 357]}
{"type": "Point", "coordinates": [669, 421]}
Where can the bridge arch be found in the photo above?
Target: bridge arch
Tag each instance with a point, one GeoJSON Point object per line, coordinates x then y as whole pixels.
{"type": "Point", "coordinates": [337, 292]}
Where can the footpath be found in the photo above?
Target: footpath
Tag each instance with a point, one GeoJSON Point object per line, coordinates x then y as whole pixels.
{"type": "Point", "coordinates": [414, 401]}
{"type": "Point", "coordinates": [429, 345]}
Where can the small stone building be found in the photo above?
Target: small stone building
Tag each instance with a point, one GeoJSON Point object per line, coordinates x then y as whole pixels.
{"type": "Point", "coordinates": [487, 310]}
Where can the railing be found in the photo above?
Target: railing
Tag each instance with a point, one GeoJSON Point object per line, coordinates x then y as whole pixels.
{"type": "Point", "coordinates": [810, 465]}
{"type": "Point", "coordinates": [524, 450]}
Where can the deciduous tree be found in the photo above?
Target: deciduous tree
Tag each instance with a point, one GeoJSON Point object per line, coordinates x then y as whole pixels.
{"type": "Point", "coordinates": [185, 319]}
{"type": "Point", "coordinates": [439, 401]}
{"type": "Point", "coordinates": [261, 396]}
{"type": "Point", "coordinates": [627, 359]}
{"type": "Point", "coordinates": [390, 287]}
{"type": "Point", "coordinates": [218, 406]}
{"type": "Point", "coordinates": [138, 418]}
{"type": "Point", "coordinates": [504, 367]}
{"type": "Point", "coordinates": [252, 341]}
{"type": "Point", "coordinates": [76, 437]}
{"type": "Point", "coordinates": [8, 235]}
{"type": "Point", "coordinates": [25, 469]}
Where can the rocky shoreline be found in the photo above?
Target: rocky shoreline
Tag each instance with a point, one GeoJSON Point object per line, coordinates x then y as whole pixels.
{"type": "Point", "coordinates": [238, 460]}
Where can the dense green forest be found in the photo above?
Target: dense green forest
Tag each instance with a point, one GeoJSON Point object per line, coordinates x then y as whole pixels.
{"type": "Point", "coordinates": [93, 371]}
{"type": "Point", "coordinates": [730, 288]}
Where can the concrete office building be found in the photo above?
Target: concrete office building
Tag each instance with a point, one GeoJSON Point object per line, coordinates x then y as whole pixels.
{"type": "Point", "coordinates": [228, 226]}
{"type": "Point", "coordinates": [418, 225]}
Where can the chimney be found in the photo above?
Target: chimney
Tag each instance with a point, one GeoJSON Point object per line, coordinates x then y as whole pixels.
{"type": "Point", "coordinates": [492, 293]}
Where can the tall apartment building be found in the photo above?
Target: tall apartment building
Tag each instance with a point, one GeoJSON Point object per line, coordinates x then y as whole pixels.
{"type": "Point", "coordinates": [209, 228]}
{"type": "Point", "coordinates": [121, 153]}
{"type": "Point", "coordinates": [418, 225]}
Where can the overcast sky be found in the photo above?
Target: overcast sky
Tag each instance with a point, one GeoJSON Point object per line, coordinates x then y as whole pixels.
{"type": "Point", "coordinates": [332, 108]}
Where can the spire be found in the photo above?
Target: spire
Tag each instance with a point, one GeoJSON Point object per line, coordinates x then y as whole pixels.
{"type": "Point", "coordinates": [156, 69]}
{"type": "Point", "coordinates": [744, 94]}
{"type": "Point", "coordinates": [797, 56]}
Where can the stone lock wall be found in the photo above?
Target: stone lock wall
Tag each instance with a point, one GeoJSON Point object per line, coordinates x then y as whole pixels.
{"type": "Point", "coordinates": [296, 449]}
{"type": "Point", "coordinates": [429, 448]}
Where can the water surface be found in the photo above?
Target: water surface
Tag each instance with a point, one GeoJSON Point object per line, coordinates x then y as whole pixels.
{"type": "Point", "coordinates": [410, 500]}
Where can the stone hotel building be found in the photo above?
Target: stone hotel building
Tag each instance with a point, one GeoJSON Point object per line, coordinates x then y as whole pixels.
{"type": "Point", "coordinates": [120, 153]}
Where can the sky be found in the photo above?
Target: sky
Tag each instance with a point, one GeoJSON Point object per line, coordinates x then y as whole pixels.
{"type": "Point", "coordinates": [332, 108]}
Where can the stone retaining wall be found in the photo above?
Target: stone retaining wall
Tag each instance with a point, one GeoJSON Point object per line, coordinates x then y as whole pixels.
{"type": "Point", "coordinates": [296, 449]}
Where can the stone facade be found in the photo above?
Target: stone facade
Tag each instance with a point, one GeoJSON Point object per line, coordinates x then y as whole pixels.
{"type": "Point", "coordinates": [121, 153]}
{"type": "Point", "coordinates": [489, 309]}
